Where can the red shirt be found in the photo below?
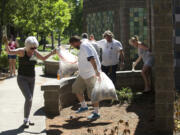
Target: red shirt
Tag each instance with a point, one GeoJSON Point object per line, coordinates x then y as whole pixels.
{"type": "Point", "coordinates": [12, 45]}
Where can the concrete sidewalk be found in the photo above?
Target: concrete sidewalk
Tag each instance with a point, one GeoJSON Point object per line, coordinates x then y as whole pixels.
{"type": "Point", "coordinates": [12, 102]}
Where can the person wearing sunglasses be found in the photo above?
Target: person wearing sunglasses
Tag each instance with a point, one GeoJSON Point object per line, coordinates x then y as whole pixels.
{"type": "Point", "coordinates": [28, 56]}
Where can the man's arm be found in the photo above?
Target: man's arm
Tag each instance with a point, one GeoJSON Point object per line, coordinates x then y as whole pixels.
{"type": "Point", "coordinates": [122, 56]}
{"type": "Point", "coordinates": [91, 59]}
{"type": "Point", "coordinates": [93, 62]}
{"type": "Point", "coordinates": [121, 52]}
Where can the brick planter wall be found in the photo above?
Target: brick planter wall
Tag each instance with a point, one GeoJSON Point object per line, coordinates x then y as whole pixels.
{"type": "Point", "coordinates": [130, 79]}
{"type": "Point", "coordinates": [58, 94]}
{"type": "Point", "coordinates": [51, 67]}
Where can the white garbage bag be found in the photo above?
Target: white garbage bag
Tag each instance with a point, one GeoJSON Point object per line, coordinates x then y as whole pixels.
{"type": "Point", "coordinates": [67, 69]}
{"type": "Point", "coordinates": [68, 63]}
{"type": "Point", "coordinates": [104, 89]}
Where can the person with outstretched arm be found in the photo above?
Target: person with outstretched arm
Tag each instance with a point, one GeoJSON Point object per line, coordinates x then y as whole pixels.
{"type": "Point", "coordinates": [28, 56]}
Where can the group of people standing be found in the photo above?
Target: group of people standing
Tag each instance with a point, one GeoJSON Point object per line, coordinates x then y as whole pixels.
{"type": "Point", "coordinates": [104, 56]}
{"type": "Point", "coordinates": [94, 57]}
{"type": "Point", "coordinates": [111, 55]}
{"type": "Point", "coordinates": [110, 52]}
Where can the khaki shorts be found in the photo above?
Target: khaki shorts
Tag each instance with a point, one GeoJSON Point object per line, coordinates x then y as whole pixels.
{"type": "Point", "coordinates": [80, 85]}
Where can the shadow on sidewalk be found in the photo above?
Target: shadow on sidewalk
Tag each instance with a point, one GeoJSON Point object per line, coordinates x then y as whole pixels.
{"type": "Point", "coordinates": [13, 131]}
{"type": "Point", "coordinates": [35, 133]}
{"type": "Point", "coordinates": [19, 130]}
{"type": "Point", "coordinates": [40, 112]}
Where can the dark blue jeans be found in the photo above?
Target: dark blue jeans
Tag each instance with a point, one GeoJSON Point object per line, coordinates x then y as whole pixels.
{"type": "Point", "coordinates": [111, 72]}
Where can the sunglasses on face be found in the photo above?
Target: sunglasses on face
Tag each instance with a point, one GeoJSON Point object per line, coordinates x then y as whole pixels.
{"type": "Point", "coordinates": [33, 48]}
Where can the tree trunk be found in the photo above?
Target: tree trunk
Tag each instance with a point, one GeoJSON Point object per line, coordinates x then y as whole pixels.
{"type": "Point", "coordinates": [59, 39]}
{"type": "Point", "coordinates": [44, 42]}
{"type": "Point", "coordinates": [2, 22]}
{"type": "Point", "coordinates": [37, 36]}
{"type": "Point", "coordinates": [52, 39]}
{"type": "Point", "coordinates": [0, 39]}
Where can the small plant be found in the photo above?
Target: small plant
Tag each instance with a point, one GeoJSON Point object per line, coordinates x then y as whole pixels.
{"type": "Point", "coordinates": [3, 60]}
{"type": "Point", "coordinates": [74, 51]}
{"type": "Point", "coordinates": [56, 57]}
{"type": "Point", "coordinates": [125, 95]}
{"type": "Point", "coordinates": [177, 114]}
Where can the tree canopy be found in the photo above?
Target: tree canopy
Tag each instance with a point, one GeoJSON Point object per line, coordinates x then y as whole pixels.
{"type": "Point", "coordinates": [41, 16]}
{"type": "Point", "coordinates": [76, 22]}
{"type": "Point", "coordinates": [30, 17]}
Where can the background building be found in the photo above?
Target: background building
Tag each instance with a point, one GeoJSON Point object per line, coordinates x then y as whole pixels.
{"type": "Point", "coordinates": [156, 22]}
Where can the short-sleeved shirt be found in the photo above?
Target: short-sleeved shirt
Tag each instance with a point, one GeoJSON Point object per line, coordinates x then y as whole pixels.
{"type": "Point", "coordinates": [110, 52]}
{"type": "Point", "coordinates": [86, 69]}
{"type": "Point", "coordinates": [12, 45]}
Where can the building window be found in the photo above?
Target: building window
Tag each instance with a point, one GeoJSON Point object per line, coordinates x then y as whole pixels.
{"type": "Point", "coordinates": [99, 22]}
{"type": "Point", "coordinates": [138, 26]}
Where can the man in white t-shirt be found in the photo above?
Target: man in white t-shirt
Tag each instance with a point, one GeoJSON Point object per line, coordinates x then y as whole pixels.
{"type": "Point", "coordinates": [89, 69]}
{"type": "Point", "coordinates": [112, 50]}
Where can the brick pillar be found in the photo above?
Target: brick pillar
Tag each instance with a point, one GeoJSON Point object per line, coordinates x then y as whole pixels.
{"type": "Point", "coordinates": [162, 37]}
{"type": "Point", "coordinates": [125, 31]}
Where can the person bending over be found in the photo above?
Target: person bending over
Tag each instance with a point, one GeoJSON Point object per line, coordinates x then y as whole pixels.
{"type": "Point", "coordinates": [147, 58]}
{"type": "Point", "coordinates": [89, 69]}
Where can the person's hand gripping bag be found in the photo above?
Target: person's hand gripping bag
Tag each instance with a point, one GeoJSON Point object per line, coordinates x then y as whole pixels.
{"type": "Point", "coordinates": [68, 64]}
{"type": "Point", "coordinates": [104, 89]}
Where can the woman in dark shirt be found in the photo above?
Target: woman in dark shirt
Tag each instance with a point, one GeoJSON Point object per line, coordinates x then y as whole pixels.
{"type": "Point", "coordinates": [26, 71]}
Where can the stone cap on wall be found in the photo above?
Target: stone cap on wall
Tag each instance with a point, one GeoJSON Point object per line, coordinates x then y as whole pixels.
{"type": "Point", "coordinates": [51, 85]}
{"type": "Point", "coordinates": [56, 84]}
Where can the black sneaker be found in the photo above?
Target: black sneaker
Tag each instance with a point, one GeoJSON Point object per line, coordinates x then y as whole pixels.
{"type": "Point", "coordinates": [31, 123]}
{"type": "Point", "coordinates": [25, 125]}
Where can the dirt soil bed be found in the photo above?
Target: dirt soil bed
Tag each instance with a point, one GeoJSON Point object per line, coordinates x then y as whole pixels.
{"type": "Point", "coordinates": [137, 117]}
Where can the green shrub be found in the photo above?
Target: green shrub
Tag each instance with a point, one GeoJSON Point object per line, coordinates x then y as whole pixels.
{"type": "Point", "coordinates": [65, 40]}
{"type": "Point", "coordinates": [4, 60]}
{"type": "Point", "coordinates": [56, 57]}
{"type": "Point", "coordinates": [74, 51]}
{"type": "Point", "coordinates": [125, 95]}
{"type": "Point", "coordinates": [71, 50]}
{"type": "Point", "coordinates": [47, 49]}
